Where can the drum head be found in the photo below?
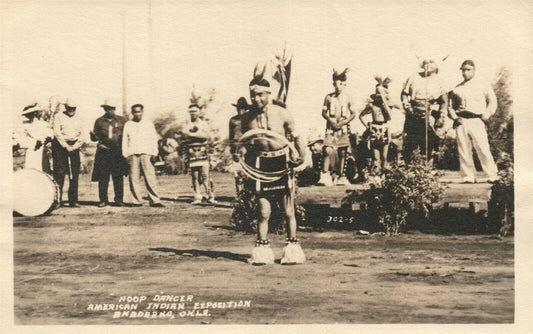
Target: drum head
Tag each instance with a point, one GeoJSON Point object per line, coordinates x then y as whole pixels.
{"type": "Point", "coordinates": [34, 192]}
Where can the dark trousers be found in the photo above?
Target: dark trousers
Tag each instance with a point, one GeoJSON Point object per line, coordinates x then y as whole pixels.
{"type": "Point", "coordinates": [415, 137]}
{"type": "Point", "coordinates": [118, 187]}
{"type": "Point", "coordinates": [66, 164]}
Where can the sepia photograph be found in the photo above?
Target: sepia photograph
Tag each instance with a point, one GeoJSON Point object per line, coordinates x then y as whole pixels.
{"type": "Point", "coordinates": [245, 166]}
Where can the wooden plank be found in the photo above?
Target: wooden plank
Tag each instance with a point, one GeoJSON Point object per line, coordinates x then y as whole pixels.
{"type": "Point", "coordinates": [454, 193]}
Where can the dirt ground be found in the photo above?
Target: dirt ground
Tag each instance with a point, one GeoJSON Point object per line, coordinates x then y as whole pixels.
{"type": "Point", "coordinates": [73, 266]}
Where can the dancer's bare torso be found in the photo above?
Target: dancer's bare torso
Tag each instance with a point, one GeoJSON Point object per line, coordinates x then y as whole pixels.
{"type": "Point", "coordinates": [275, 119]}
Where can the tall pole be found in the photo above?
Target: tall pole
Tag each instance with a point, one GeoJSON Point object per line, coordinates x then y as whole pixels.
{"type": "Point", "coordinates": [151, 55]}
{"type": "Point", "coordinates": [426, 116]}
{"type": "Point", "coordinates": [124, 87]}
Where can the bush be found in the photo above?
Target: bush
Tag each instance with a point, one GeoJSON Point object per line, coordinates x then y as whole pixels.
{"type": "Point", "coordinates": [501, 204]}
{"type": "Point", "coordinates": [244, 215]}
{"type": "Point", "coordinates": [244, 212]}
{"type": "Point", "coordinates": [400, 193]}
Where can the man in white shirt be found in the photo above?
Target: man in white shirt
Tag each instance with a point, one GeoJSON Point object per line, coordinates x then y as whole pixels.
{"type": "Point", "coordinates": [139, 145]}
{"type": "Point", "coordinates": [66, 146]}
{"type": "Point", "coordinates": [471, 103]}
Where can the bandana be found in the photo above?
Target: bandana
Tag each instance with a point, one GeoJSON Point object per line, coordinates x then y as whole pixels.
{"type": "Point", "coordinates": [259, 88]}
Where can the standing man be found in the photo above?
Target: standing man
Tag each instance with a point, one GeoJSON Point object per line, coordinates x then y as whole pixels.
{"type": "Point", "coordinates": [423, 95]}
{"type": "Point", "coordinates": [139, 145]}
{"type": "Point", "coordinates": [338, 111]}
{"type": "Point", "coordinates": [472, 102]}
{"type": "Point", "coordinates": [108, 160]}
{"type": "Point", "coordinates": [235, 133]}
{"type": "Point", "coordinates": [66, 146]}
{"type": "Point", "coordinates": [196, 133]}
{"type": "Point", "coordinates": [378, 134]}
{"type": "Point", "coordinates": [265, 157]}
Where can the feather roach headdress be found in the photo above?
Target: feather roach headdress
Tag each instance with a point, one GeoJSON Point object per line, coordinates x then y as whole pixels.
{"type": "Point", "coordinates": [342, 76]}
{"type": "Point", "coordinates": [195, 100]}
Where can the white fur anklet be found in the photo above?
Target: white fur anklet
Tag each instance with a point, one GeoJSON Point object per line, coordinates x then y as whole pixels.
{"type": "Point", "coordinates": [293, 253]}
{"type": "Point", "coordinates": [262, 253]}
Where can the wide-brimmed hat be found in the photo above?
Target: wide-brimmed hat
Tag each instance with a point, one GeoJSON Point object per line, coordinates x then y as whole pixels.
{"type": "Point", "coordinates": [70, 103]}
{"type": "Point", "coordinates": [313, 138]}
{"type": "Point", "coordinates": [29, 109]}
{"type": "Point", "coordinates": [109, 102]}
{"type": "Point", "coordinates": [241, 103]}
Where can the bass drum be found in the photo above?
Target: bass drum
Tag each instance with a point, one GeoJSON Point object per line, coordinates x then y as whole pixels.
{"type": "Point", "coordinates": [34, 193]}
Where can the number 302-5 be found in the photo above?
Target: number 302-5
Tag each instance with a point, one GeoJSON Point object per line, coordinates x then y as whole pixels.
{"type": "Point", "coordinates": [340, 219]}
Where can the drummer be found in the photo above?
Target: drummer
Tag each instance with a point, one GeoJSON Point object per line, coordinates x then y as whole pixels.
{"type": "Point", "coordinates": [34, 136]}
{"type": "Point", "coordinates": [265, 155]}
{"type": "Point", "coordinates": [197, 136]}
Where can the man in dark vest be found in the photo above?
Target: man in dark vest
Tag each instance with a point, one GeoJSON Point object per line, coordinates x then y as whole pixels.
{"type": "Point", "coordinates": [108, 160]}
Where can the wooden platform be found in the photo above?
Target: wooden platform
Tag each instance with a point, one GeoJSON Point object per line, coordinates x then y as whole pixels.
{"type": "Point", "coordinates": [473, 196]}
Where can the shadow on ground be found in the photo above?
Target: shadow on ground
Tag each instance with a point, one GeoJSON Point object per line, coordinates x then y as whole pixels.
{"type": "Point", "coordinates": [198, 253]}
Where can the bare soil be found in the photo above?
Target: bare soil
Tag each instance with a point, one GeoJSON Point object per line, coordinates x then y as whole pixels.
{"type": "Point", "coordinates": [76, 257]}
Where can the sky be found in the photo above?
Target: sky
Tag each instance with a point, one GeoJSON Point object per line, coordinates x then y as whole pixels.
{"type": "Point", "coordinates": [75, 49]}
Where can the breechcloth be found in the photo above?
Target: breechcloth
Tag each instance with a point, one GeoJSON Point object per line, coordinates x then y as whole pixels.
{"type": "Point", "coordinates": [379, 134]}
{"type": "Point", "coordinates": [197, 155]}
{"type": "Point", "coordinates": [272, 161]}
{"type": "Point", "coordinates": [339, 138]}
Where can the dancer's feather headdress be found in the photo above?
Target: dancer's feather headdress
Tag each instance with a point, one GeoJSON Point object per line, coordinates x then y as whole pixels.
{"type": "Point", "coordinates": [342, 76]}
{"type": "Point", "coordinates": [277, 71]}
{"type": "Point", "coordinates": [282, 64]}
{"type": "Point", "coordinates": [195, 100]}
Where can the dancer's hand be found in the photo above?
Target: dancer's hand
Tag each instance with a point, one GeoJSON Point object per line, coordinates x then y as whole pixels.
{"type": "Point", "coordinates": [293, 163]}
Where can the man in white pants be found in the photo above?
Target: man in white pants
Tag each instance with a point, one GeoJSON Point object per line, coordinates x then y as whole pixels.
{"type": "Point", "coordinates": [139, 145]}
{"type": "Point", "coordinates": [471, 103]}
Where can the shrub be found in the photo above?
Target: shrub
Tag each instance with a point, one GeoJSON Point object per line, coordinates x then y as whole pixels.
{"type": "Point", "coordinates": [244, 215]}
{"type": "Point", "coordinates": [244, 212]}
{"type": "Point", "coordinates": [501, 204]}
{"type": "Point", "coordinates": [402, 191]}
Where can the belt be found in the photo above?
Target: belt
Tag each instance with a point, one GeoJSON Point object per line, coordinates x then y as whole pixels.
{"type": "Point", "coordinates": [273, 154]}
{"type": "Point", "coordinates": [467, 114]}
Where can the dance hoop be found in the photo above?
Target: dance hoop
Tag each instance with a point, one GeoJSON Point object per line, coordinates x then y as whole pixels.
{"type": "Point", "coordinates": [271, 136]}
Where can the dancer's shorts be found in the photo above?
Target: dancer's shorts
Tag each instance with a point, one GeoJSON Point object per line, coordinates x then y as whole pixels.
{"type": "Point", "coordinates": [336, 139]}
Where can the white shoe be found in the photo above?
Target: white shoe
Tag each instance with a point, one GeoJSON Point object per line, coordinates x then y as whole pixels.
{"type": "Point", "coordinates": [197, 200]}
{"type": "Point", "coordinates": [468, 180]}
{"type": "Point", "coordinates": [325, 179]}
{"type": "Point", "coordinates": [211, 200]}
{"type": "Point", "coordinates": [343, 181]}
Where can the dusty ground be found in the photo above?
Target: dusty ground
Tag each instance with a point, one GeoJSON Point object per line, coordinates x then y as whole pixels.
{"type": "Point", "coordinates": [77, 257]}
